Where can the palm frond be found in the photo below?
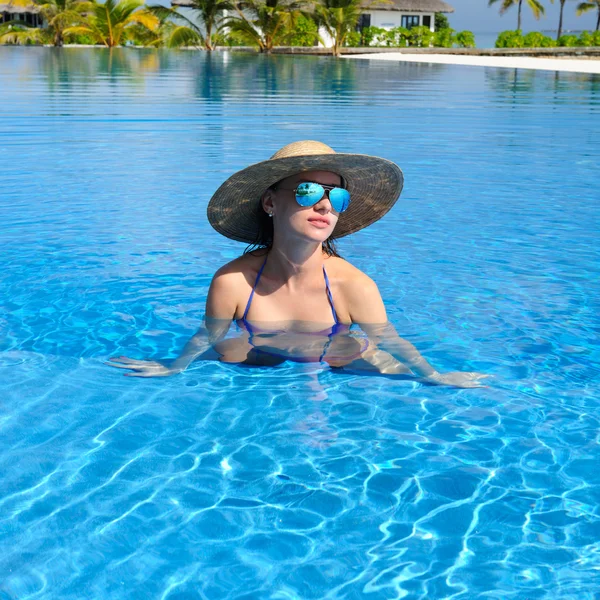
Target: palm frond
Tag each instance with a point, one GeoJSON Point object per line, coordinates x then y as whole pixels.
{"type": "Point", "coordinates": [144, 18]}
{"type": "Point", "coordinates": [536, 7]}
{"type": "Point", "coordinates": [584, 7]}
{"type": "Point", "coordinates": [163, 13]}
{"type": "Point", "coordinates": [184, 36]}
{"type": "Point", "coordinates": [15, 32]}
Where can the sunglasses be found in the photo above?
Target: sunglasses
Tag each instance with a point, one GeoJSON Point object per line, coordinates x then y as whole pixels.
{"type": "Point", "coordinates": [309, 193]}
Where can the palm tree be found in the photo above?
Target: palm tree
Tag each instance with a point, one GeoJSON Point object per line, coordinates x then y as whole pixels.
{"type": "Point", "coordinates": [59, 14]}
{"type": "Point", "coordinates": [535, 5]}
{"type": "Point", "coordinates": [338, 18]}
{"type": "Point", "coordinates": [590, 5]}
{"type": "Point", "coordinates": [187, 33]}
{"type": "Point", "coordinates": [560, 19]}
{"type": "Point", "coordinates": [264, 23]}
{"type": "Point", "coordinates": [112, 23]}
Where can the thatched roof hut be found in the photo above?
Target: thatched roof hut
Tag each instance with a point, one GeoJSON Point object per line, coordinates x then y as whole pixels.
{"type": "Point", "coordinates": [412, 6]}
{"type": "Point", "coordinates": [19, 9]}
{"type": "Point", "coordinates": [418, 6]}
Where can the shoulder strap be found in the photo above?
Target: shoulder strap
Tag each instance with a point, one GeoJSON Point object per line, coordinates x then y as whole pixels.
{"type": "Point", "coordinates": [329, 296]}
{"type": "Point", "coordinates": [254, 287]}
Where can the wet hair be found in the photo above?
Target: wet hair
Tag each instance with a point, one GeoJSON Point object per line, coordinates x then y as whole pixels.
{"type": "Point", "coordinates": [264, 236]}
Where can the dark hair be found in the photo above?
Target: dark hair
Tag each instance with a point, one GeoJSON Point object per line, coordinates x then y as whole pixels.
{"type": "Point", "coordinates": [264, 235]}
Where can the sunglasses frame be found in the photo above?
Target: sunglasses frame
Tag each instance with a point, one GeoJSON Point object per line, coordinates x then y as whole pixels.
{"type": "Point", "coordinates": [326, 190]}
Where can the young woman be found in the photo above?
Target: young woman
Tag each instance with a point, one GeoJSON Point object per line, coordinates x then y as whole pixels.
{"type": "Point", "coordinates": [293, 297]}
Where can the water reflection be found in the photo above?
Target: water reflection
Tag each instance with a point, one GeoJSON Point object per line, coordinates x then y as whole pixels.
{"type": "Point", "coordinates": [521, 86]}
{"type": "Point", "coordinates": [222, 76]}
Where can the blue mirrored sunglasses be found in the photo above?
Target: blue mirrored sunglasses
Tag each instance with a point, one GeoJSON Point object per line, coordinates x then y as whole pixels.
{"type": "Point", "coordinates": [309, 193]}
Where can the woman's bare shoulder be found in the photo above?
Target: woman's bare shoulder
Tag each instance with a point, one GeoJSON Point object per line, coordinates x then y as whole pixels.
{"type": "Point", "coordinates": [229, 287]}
{"type": "Point", "coordinates": [358, 295]}
{"type": "Point", "coordinates": [242, 266]}
{"type": "Point", "coordinates": [345, 273]}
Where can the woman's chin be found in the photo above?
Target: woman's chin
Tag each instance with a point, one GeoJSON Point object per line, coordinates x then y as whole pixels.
{"type": "Point", "coordinates": [318, 235]}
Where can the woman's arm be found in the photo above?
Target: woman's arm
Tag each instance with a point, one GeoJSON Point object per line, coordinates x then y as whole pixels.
{"type": "Point", "coordinates": [221, 306]}
{"type": "Point", "coordinates": [368, 311]}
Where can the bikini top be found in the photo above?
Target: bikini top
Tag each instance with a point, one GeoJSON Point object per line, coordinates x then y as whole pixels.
{"type": "Point", "coordinates": [335, 328]}
{"type": "Point", "coordinates": [330, 332]}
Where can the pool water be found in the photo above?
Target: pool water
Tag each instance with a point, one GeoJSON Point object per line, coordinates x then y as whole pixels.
{"type": "Point", "coordinates": [298, 481]}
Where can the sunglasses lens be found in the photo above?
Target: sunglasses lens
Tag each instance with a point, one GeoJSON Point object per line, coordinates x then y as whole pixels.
{"type": "Point", "coordinates": [308, 194]}
{"type": "Point", "coordinates": [340, 199]}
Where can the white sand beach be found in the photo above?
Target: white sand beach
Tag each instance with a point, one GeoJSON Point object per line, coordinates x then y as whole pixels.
{"type": "Point", "coordinates": [574, 65]}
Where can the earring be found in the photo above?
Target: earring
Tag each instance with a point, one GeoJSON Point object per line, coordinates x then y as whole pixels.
{"type": "Point", "coordinates": [270, 214]}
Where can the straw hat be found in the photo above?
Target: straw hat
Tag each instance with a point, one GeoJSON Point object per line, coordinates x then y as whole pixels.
{"type": "Point", "coordinates": [374, 185]}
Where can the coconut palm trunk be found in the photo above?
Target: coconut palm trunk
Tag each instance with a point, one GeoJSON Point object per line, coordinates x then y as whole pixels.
{"type": "Point", "coordinates": [535, 5]}
{"type": "Point", "coordinates": [560, 19]}
{"type": "Point", "coordinates": [338, 18]}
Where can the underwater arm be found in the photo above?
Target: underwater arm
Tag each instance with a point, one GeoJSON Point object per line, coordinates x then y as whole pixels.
{"type": "Point", "coordinates": [220, 310]}
{"type": "Point", "coordinates": [384, 337]}
{"type": "Point", "coordinates": [368, 311]}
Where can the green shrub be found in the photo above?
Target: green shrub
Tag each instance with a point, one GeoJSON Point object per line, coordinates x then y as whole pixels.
{"type": "Point", "coordinates": [372, 36]}
{"type": "Point", "coordinates": [233, 38]}
{"type": "Point", "coordinates": [510, 39]}
{"type": "Point", "coordinates": [585, 39]}
{"type": "Point", "coordinates": [304, 32]}
{"type": "Point", "coordinates": [444, 38]}
{"type": "Point", "coordinates": [421, 37]}
{"type": "Point", "coordinates": [589, 39]}
{"type": "Point", "coordinates": [80, 39]}
{"type": "Point", "coordinates": [396, 37]}
{"type": "Point", "coordinates": [353, 39]}
{"type": "Point", "coordinates": [465, 39]}
{"type": "Point", "coordinates": [568, 41]}
{"type": "Point", "coordinates": [535, 39]}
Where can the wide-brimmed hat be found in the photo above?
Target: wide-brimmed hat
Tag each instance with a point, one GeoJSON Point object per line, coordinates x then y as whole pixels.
{"type": "Point", "coordinates": [374, 185]}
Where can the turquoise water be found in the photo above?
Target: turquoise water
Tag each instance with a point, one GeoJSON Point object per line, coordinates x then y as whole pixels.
{"type": "Point", "coordinates": [296, 481]}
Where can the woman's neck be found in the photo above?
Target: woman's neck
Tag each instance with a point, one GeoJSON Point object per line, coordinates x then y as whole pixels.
{"type": "Point", "coordinates": [295, 263]}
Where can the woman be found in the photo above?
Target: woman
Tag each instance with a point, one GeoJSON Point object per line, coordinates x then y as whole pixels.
{"type": "Point", "coordinates": [293, 296]}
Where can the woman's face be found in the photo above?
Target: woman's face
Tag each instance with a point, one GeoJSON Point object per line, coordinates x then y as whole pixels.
{"type": "Point", "coordinates": [315, 223]}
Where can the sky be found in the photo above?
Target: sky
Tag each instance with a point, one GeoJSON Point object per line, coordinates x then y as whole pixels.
{"type": "Point", "coordinates": [477, 16]}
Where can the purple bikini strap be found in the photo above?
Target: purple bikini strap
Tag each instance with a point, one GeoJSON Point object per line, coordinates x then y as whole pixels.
{"type": "Point", "coordinates": [252, 292]}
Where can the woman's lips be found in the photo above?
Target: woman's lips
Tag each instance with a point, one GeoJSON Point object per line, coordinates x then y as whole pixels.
{"type": "Point", "coordinates": [319, 223]}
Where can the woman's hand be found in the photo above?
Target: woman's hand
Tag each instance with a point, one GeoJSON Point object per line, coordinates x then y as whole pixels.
{"type": "Point", "coordinates": [142, 368]}
{"type": "Point", "coordinates": [458, 379]}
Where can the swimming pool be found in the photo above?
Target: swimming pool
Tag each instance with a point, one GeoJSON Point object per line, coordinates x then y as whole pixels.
{"type": "Point", "coordinates": [296, 482]}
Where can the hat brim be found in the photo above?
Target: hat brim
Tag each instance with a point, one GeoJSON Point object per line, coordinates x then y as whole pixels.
{"type": "Point", "coordinates": [374, 185]}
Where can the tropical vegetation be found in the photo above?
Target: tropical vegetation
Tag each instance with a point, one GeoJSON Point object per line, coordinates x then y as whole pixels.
{"type": "Point", "coordinates": [535, 39]}
{"type": "Point", "coordinates": [186, 32]}
{"type": "Point", "coordinates": [339, 19]}
{"type": "Point", "coordinates": [538, 10]}
{"type": "Point", "coordinates": [584, 7]}
{"type": "Point", "coordinates": [112, 23]}
{"type": "Point", "coordinates": [536, 7]}
{"type": "Point", "coordinates": [58, 14]}
{"type": "Point", "coordinates": [263, 24]}
{"type": "Point", "coordinates": [399, 37]}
